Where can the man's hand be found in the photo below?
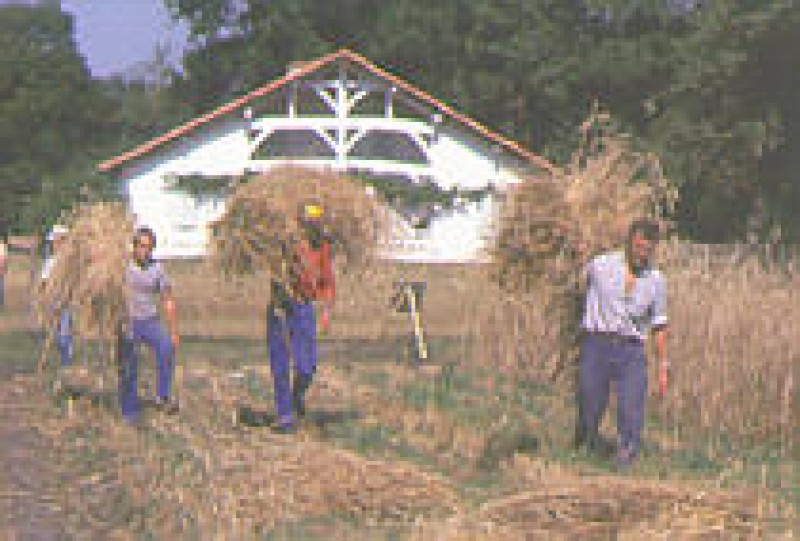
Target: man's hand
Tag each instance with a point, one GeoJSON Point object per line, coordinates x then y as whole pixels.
{"type": "Point", "coordinates": [176, 340]}
{"type": "Point", "coordinates": [171, 313]}
{"type": "Point", "coordinates": [325, 318]}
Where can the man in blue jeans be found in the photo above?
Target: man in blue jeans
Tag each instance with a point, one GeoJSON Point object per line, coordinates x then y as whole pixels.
{"type": "Point", "coordinates": [63, 336]}
{"type": "Point", "coordinates": [626, 299]}
{"type": "Point", "coordinates": [146, 280]}
{"type": "Point", "coordinates": [291, 317]}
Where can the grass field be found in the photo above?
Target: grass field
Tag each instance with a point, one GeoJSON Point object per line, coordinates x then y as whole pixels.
{"type": "Point", "coordinates": [454, 450]}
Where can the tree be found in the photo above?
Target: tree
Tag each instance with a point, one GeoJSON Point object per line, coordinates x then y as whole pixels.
{"type": "Point", "coordinates": [687, 77]}
{"type": "Point", "coordinates": [51, 116]}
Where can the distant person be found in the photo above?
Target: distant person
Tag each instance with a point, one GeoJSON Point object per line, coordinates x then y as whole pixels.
{"type": "Point", "coordinates": [626, 300]}
{"type": "Point", "coordinates": [292, 319]}
{"type": "Point", "coordinates": [146, 280]}
{"type": "Point", "coordinates": [63, 336]}
{"type": "Point", "coordinates": [3, 268]}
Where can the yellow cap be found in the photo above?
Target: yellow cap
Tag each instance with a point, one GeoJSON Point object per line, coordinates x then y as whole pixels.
{"type": "Point", "coordinates": [313, 211]}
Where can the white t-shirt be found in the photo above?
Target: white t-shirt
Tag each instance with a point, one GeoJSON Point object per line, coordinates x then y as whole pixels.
{"type": "Point", "coordinates": [47, 268]}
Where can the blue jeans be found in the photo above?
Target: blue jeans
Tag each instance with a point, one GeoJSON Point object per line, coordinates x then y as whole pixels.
{"type": "Point", "coordinates": [297, 331]}
{"type": "Point", "coordinates": [602, 361]}
{"type": "Point", "coordinates": [152, 333]}
{"type": "Point", "coordinates": [64, 337]}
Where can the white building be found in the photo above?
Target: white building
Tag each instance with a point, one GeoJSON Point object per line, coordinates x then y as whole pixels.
{"type": "Point", "coordinates": [339, 111]}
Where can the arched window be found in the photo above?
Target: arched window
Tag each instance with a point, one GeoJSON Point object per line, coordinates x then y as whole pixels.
{"type": "Point", "coordinates": [391, 146]}
{"type": "Point", "coordinates": [294, 144]}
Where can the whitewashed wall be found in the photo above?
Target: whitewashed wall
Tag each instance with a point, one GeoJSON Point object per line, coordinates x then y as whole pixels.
{"type": "Point", "coordinates": [222, 148]}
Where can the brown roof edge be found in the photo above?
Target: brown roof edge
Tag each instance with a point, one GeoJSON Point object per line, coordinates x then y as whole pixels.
{"type": "Point", "coordinates": [449, 111]}
{"type": "Point", "coordinates": [300, 72]}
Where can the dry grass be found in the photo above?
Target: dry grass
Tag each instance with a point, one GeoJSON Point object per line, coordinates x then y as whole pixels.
{"type": "Point", "coordinates": [547, 230]}
{"type": "Point", "coordinates": [733, 353]}
{"type": "Point", "coordinates": [584, 208]}
{"type": "Point", "coordinates": [732, 333]}
{"type": "Point", "coordinates": [735, 346]}
{"type": "Point", "coordinates": [260, 225]}
{"type": "Point", "coordinates": [89, 273]}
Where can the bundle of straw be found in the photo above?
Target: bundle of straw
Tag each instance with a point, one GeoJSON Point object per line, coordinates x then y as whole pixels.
{"type": "Point", "coordinates": [550, 227]}
{"type": "Point", "coordinates": [260, 225]}
{"type": "Point", "coordinates": [89, 272]}
{"type": "Point", "coordinates": [583, 209]}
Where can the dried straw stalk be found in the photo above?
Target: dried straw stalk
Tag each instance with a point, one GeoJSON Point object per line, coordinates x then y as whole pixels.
{"type": "Point", "coordinates": [586, 207]}
{"type": "Point", "coordinates": [259, 226]}
{"type": "Point", "coordinates": [89, 273]}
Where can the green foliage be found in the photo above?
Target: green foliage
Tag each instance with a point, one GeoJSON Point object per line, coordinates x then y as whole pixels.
{"type": "Point", "coordinates": [402, 194]}
{"type": "Point", "coordinates": [51, 116]}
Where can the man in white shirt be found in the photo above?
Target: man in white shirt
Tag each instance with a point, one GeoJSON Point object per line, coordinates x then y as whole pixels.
{"type": "Point", "coordinates": [626, 301]}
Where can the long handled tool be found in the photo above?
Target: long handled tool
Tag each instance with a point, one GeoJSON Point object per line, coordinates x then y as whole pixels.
{"type": "Point", "coordinates": [408, 299]}
{"type": "Point", "coordinates": [422, 348]}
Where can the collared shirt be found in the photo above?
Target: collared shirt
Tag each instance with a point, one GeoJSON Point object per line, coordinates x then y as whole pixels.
{"type": "Point", "coordinates": [610, 309]}
{"type": "Point", "coordinates": [144, 284]}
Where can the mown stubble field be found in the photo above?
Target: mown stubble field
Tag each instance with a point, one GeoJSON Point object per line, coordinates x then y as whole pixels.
{"type": "Point", "coordinates": [468, 447]}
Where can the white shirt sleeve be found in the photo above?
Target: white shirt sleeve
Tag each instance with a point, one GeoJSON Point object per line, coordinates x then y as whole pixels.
{"type": "Point", "coordinates": [660, 302]}
{"type": "Point", "coordinates": [47, 268]}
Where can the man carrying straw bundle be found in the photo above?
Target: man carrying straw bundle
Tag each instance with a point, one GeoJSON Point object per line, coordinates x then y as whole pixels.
{"type": "Point", "coordinates": [63, 314]}
{"type": "Point", "coordinates": [146, 279]}
{"type": "Point", "coordinates": [626, 298]}
{"type": "Point", "coordinates": [291, 317]}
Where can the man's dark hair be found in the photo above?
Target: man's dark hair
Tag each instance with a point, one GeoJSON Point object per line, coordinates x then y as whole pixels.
{"type": "Point", "coordinates": [144, 232]}
{"type": "Point", "coordinates": [646, 227]}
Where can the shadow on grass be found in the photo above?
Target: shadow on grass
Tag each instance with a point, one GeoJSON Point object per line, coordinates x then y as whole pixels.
{"type": "Point", "coordinates": [19, 352]}
{"type": "Point", "coordinates": [254, 418]}
{"type": "Point", "coordinates": [324, 421]}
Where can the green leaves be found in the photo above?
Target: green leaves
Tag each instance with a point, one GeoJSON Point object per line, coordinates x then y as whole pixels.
{"type": "Point", "coordinates": [706, 84]}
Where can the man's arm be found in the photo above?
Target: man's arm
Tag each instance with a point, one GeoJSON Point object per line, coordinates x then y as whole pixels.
{"type": "Point", "coordinates": [171, 315]}
{"type": "Point", "coordinates": [170, 308]}
{"type": "Point", "coordinates": [660, 335]}
{"type": "Point", "coordinates": [327, 289]}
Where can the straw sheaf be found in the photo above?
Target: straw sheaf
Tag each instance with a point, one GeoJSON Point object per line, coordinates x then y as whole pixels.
{"type": "Point", "coordinates": [586, 208]}
{"type": "Point", "coordinates": [89, 271]}
{"type": "Point", "coordinates": [550, 227]}
{"type": "Point", "coordinates": [260, 224]}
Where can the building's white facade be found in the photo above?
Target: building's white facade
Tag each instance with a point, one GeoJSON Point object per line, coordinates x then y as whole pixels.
{"type": "Point", "coordinates": [340, 113]}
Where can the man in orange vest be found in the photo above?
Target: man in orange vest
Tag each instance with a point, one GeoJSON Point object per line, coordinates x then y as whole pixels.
{"type": "Point", "coordinates": [292, 318]}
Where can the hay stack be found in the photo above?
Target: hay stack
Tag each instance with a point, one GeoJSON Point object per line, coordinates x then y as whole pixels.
{"type": "Point", "coordinates": [89, 272]}
{"type": "Point", "coordinates": [548, 223]}
{"type": "Point", "coordinates": [588, 205]}
{"type": "Point", "coordinates": [260, 223]}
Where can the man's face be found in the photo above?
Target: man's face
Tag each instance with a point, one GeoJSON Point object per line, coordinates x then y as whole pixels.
{"type": "Point", "coordinates": [640, 250]}
{"type": "Point", "coordinates": [312, 226]}
{"type": "Point", "coordinates": [143, 248]}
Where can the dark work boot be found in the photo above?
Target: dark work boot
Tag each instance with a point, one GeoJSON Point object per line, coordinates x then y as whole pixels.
{"type": "Point", "coordinates": [299, 387]}
{"type": "Point", "coordinates": [284, 428]}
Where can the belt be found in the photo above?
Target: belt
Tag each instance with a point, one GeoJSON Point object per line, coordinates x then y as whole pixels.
{"type": "Point", "coordinates": [616, 338]}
